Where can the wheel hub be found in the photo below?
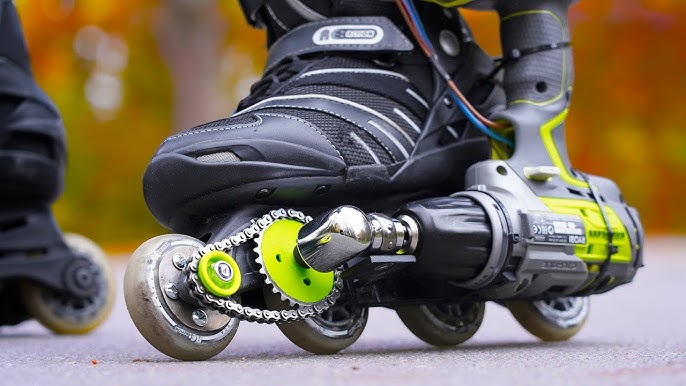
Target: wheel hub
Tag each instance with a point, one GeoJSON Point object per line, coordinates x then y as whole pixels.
{"type": "Point", "coordinates": [219, 273]}
{"type": "Point", "coordinates": [81, 279]}
{"type": "Point", "coordinates": [564, 312]}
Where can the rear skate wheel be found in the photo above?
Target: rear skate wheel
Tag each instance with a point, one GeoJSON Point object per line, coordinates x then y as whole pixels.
{"type": "Point", "coordinates": [551, 320]}
{"type": "Point", "coordinates": [328, 333]}
{"type": "Point", "coordinates": [174, 327]}
{"type": "Point", "coordinates": [446, 324]}
{"type": "Point", "coordinates": [65, 314]}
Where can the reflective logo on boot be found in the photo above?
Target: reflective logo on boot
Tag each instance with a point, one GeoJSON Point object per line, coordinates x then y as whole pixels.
{"type": "Point", "coordinates": [348, 34]}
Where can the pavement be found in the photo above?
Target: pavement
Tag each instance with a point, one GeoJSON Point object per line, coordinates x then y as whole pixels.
{"type": "Point", "coordinates": [635, 335]}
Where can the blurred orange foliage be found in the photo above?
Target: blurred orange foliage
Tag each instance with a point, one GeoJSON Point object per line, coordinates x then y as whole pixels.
{"type": "Point", "coordinates": [99, 61]}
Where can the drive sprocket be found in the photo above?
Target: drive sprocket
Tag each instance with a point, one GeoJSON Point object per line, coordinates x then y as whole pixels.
{"type": "Point", "coordinates": [283, 273]}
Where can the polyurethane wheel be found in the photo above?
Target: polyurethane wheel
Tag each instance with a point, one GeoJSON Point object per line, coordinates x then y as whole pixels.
{"type": "Point", "coordinates": [328, 333]}
{"type": "Point", "coordinates": [551, 320]}
{"type": "Point", "coordinates": [65, 314]}
{"type": "Point", "coordinates": [173, 326]}
{"type": "Point", "coordinates": [447, 324]}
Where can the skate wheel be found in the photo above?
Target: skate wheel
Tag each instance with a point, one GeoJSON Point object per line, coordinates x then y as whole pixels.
{"type": "Point", "coordinates": [64, 314]}
{"type": "Point", "coordinates": [173, 326]}
{"type": "Point", "coordinates": [551, 320]}
{"type": "Point", "coordinates": [447, 324]}
{"type": "Point", "coordinates": [335, 329]}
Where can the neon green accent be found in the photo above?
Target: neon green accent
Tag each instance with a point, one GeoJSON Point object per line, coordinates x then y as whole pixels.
{"type": "Point", "coordinates": [533, 12]}
{"type": "Point", "coordinates": [324, 239]}
{"type": "Point", "coordinates": [300, 283]}
{"type": "Point", "coordinates": [564, 58]}
{"type": "Point", "coordinates": [209, 278]}
{"type": "Point", "coordinates": [497, 152]}
{"type": "Point", "coordinates": [595, 249]}
{"type": "Point", "coordinates": [549, 143]}
{"type": "Point", "coordinates": [449, 3]}
{"type": "Point", "coordinates": [500, 151]}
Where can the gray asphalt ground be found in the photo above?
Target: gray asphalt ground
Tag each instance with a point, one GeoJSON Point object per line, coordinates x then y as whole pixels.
{"type": "Point", "coordinates": [636, 335]}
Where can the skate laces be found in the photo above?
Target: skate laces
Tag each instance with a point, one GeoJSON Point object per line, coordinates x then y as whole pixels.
{"type": "Point", "coordinates": [279, 75]}
{"type": "Point", "coordinates": [272, 80]}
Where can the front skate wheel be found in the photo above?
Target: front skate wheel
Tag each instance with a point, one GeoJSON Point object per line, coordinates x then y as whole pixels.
{"type": "Point", "coordinates": [173, 326]}
{"type": "Point", "coordinates": [551, 320]}
{"type": "Point", "coordinates": [328, 333]}
{"type": "Point", "coordinates": [446, 324]}
{"type": "Point", "coordinates": [65, 314]}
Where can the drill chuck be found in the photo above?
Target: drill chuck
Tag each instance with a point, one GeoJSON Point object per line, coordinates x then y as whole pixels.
{"type": "Point", "coordinates": [463, 238]}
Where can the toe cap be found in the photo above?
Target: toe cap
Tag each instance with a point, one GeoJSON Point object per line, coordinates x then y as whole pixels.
{"type": "Point", "coordinates": [260, 137]}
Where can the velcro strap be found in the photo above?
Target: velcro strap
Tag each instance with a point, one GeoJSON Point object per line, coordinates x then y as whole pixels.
{"type": "Point", "coordinates": [371, 34]}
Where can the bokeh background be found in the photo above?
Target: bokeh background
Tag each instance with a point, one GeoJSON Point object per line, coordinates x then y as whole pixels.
{"type": "Point", "coordinates": [125, 74]}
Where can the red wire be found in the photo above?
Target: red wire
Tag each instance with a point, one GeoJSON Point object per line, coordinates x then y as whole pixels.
{"type": "Point", "coordinates": [415, 32]}
{"type": "Point", "coordinates": [473, 110]}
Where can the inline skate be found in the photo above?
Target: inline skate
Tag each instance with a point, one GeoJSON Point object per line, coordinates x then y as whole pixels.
{"type": "Point", "coordinates": [524, 230]}
{"type": "Point", "coordinates": [63, 281]}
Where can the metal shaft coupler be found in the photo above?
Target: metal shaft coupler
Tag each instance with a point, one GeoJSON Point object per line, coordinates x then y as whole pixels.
{"type": "Point", "coordinates": [330, 240]}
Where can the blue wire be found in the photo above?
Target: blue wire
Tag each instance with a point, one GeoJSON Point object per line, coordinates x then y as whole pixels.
{"type": "Point", "coordinates": [414, 15]}
{"type": "Point", "coordinates": [418, 22]}
{"type": "Point", "coordinates": [472, 119]}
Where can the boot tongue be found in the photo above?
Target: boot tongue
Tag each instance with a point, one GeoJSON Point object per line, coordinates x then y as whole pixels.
{"type": "Point", "coordinates": [342, 34]}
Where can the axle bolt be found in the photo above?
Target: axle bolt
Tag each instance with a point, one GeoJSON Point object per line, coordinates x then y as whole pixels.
{"type": "Point", "coordinates": [179, 261]}
{"type": "Point", "coordinates": [223, 270]}
{"type": "Point", "coordinates": [171, 291]}
{"type": "Point", "coordinates": [199, 317]}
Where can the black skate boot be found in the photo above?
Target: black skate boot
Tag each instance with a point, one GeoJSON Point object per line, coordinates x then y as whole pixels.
{"type": "Point", "coordinates": [348, 110]}
{"type": "Point", "coordinates": [65, 284]}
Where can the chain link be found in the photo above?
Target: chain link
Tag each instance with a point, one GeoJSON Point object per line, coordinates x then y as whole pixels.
{"type": "Point", "coordinates": [231, 306]}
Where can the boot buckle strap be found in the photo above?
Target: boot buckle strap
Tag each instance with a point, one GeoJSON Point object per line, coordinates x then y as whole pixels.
{"type": "Point", "coordinates": [370, 34]}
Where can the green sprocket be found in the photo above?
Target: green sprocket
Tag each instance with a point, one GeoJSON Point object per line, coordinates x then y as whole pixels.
{"type": "Point", "coordinates": [295, 283]}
